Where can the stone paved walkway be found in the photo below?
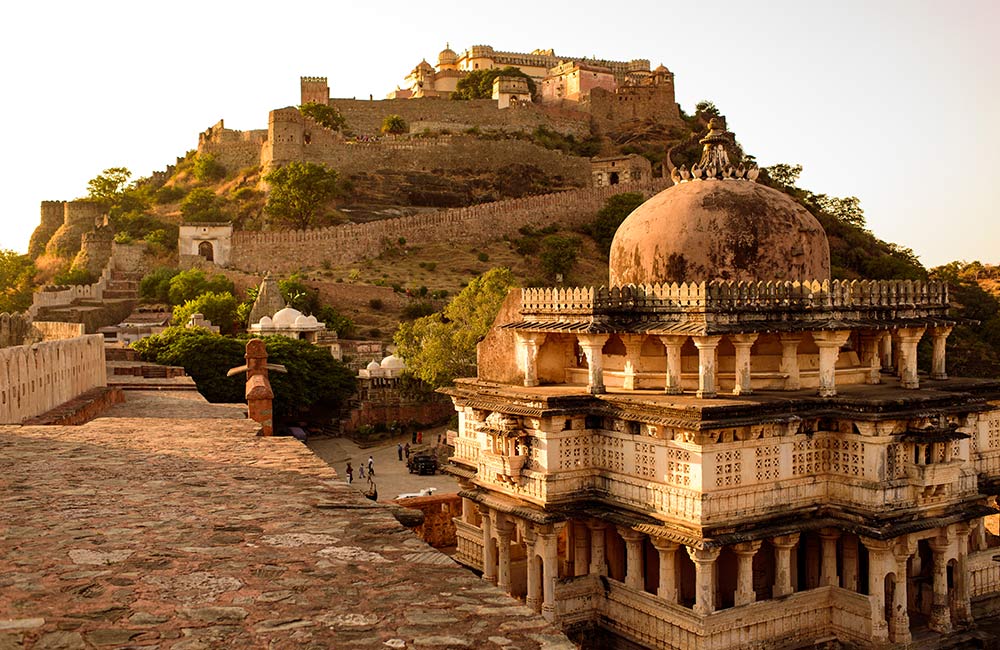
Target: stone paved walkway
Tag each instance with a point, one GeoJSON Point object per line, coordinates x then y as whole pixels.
{"type": "Point", "coordinates": [191, 534]}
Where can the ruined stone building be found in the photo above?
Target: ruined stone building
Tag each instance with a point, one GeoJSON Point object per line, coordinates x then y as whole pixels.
{"type": "Point", "coordinates": [726, 448]}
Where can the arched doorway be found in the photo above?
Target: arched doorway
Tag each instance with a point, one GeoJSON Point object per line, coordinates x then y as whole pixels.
{"type": "Point", "coordinates": [205, 250]}
{"type": "Point", "coordinates": [613, 178]}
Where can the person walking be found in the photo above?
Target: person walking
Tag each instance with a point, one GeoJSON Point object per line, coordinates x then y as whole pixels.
{"type": "Point", "coordinates": [361, 471]}
{"type": "Point", "coordinates": [399, 450]}
{"type": "Point", "coordinates": [371, 466]}
{"type": "Point", "coordinates": [350, 473]}
{"type": "Point", "coordinates": [406, 451]}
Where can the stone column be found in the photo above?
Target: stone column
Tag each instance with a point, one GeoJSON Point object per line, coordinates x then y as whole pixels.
{"type": "Point", "coordinates": [940, 620]}
{"type": "Point", "coordinates": [783, 564]}
{"type": "Point", "coordinates": [489, 564]}
{"type": "Point", "coordinates": [706, 364]}
{"type": "Point", "coordinates": [900, 600]}
{"type": "Point", "coordinates": [534, 596]}
{"type": "Point", "coordinates": [790, 360]}
{"type": "Point", "coordinates": [829, 344]}
{"type": "Point", "coordinates": [743, 343]}
{"type": "Point", "coordinates": [530, 342]}
{"type": "Point", "coordinates": [598, 564]}
{"type": "Point", "coordinates": [633, 350]}
{"type": "Point", "coordinates": [591, 345]}
{"type": "Point", "coordinates": [962, 605]}
{"type": "Point", "coordinates": [580, 547]}
{"type": "Point", "coordinates": [504, 530]}
{"type": "Point", "coordinates": [870, 344]}
{"type": "Point", "coordinates": [744, 572]}
{"type": "Point", "coordinates": [634, 576]}
{"type": "Point", "coordinates": [550, 565]}
{"type": "Point", "coordinates": [704, 565]}
{"type": "Point", "coordinates": [828, 572]}
{"type": "Point", "coordinates": [667, 589]}
{"type": "Point", "coordinates": [880, 562]}
{"type": "Point", "coordinates": [673, 345]}
{"type": "Point", "coordinates": [939, 337]}
{"type": "Point", "coordinates": [909, 337]}
{"type": "Point", "coordinates": [886, 353]}
{"type": "Point", "coordinates": [849, 552]}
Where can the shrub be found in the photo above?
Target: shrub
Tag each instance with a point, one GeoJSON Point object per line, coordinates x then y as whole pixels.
{"type": "Point", "coordinates": [416, 310]}
{"type": "Point", "coordinates": [190, 284]}
{"type": "Point", "coordinates": [394, 124]}
{"type": "Point", "coordinates": [375, 303]}
{"type": "Point", "coordinates": [201, 205]}
{"type": "Point", "coordinates": [220, 308]}
{"type": "Point", "coordinates": [483, 257]}
{"type": "Point", "coordinates": [324, 115]}
{"type": "Point", "coordinates": [169, 194]}
{"type": "Point", "coordinates": [155, 286]}
{"type": "Point", "coordinates": [74, 276]}
{"type": "Point", "coordinates": [206, 168]}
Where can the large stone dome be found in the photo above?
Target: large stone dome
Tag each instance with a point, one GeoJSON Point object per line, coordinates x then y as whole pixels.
{"type": "Point", "coordinates": [725, 227]}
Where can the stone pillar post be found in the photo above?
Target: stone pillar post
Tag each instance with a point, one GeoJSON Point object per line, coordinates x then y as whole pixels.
{"type": "Point", "coordinates": [744, 572]}
{"type": "Point", "coordinates": [880, 562]}
{"type": "Point", "coordinates": [503, 530]}
{"type": "Point", "coordinates": [467, 505]}
{"type": "Point", "coordinates": [790, 360]}
{"type": "Point", "coordinates": [706, 364]}
{"type": "Point", "coordinates": [828, 572]}
{"type": "Point", "coordinates": [633, 350]}
{"type": "Point", "coordinates": [870, 359]}
{"type": "Point", "coordinates": [591, 345]}
{"type": "Point", "coordinates": [530, 342]}
{"type": "Point", "coordinates": [849, 561]}
{"type": "Point", "coordinates": [550, 566]}
{"type": "Point", "coordinates": [634, 576]}
{"type": "Point", "coordinates": [489, 563]}
{"type": "Point", "coordinates": [940, 337]}
{"type": "Point", "coordinates": [783, 564]}
{"type": "Point", "coordinates": [829, 344]}
{"type": "Point", "coordinates": [962, 605]}
{"type": "Point", "coordinates": [940, 620]}
{"type": "Point", "coordinates": [533, 598]}
{"type": "Point", "coordinates": [667, 589]}
{"type": "Point", "coordinates": [909, 337]}
{"type": "Point", "coordinates": [704, 565]}
{"type": "Point", "coordinates": [673, 345]}
{"type": "Point", "coordinates": [580, 547]}
{"type": "Point", "coordinates": [743, 343]}
{"type": "Point", "coordinates": [900, 615]}
{"type": "Point", "coordinates": [598, 564]}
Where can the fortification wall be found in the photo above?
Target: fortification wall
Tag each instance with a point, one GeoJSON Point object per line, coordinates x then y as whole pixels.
{"type": "Point", "coordinates": [95, 250]}
{"type": "Point", "coordinates": [51, 219]}
{"type": "Point", "coordinates": [291, 250]}
{"type": "Point", "coordinates": [124, 257]}
{"type": "Point", "coordinates": [15, 329]}
{"type": "Point", "coordinates": [78, 217]}
{"type": "Point", "coordinates": [232, 149]}
{"type": "Point", "coordinates": [37, 378]}
{"type": "Point", "coordinates": [57, 331]}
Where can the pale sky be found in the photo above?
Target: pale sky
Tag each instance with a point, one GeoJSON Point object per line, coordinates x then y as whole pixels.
{"type": "Point", "coordinates": [894, 102]}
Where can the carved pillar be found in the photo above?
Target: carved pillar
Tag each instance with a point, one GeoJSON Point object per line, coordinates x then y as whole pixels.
{"type": "Point", "coordinates": [940, 337]}
{"type": "Point", "coordinates": [829, 344]}
{"type": "Point", "coordinates": [580, 547]}
{"type": "Point", "coordinates": [598, 563]}
{"type": "Point", "coordinates": [900, 599]}
{"type": "Point", "coordinates": [743, 343]}
{"type": "Point", "coordinates": [534, 595]}
{"type": "Point", "coordinates": [783, 564]}
{"type": "Point", "coordinates": [880, 562]}
{"type": "Point", "coordinates": [940, 620]}
{"type": "Point", "coordinates": [530, 342]}
{"type": "Point", "coordinates": [633, 350]}
{"type": "Point", "coordinates": [828, 572]}
{"type": "Point", "coordinates": [706, 364]}
{"type": "Point", "coordinates": [704, 565]}
{"type": "Point", "coordinates": [909, 337]}
{"type": "Point", "coordinates": [886, 352]}
{"type": "Point", "coordinates": [550, 551]}
{"type": "Point", "coordinates": [489, 562]}
{"type": "Point", "coordinates": [591, 345]}
{"type": "Point", "coordinates": [667, 589]}
{"type": "Point", "coordinates": [870, 358]}
{"type": "Point", "coordinates": [744, 572]}
{"type": "Point", "coordinates": [634, 576]}
{"type": "Point", "coordinates": [961, 603]}
{"type": "Point", "coordinates": [673, 345]}
{"type": "Point", "coordinates": [849, 560]}
{"type": "Point", "coordinates": [503, 530]}
{"type": "Point", "coordinates": [790, 360]}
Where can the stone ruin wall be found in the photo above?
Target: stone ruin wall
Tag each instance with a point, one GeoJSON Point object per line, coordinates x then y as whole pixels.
{"type": "Point", "coordinates": [62, 226]}
{"type": "Point", "coordinates": [37, 378]}
{"type": "Point", "coordinates": [288, 251]}
{"type": "Point", "coordinates": [232, 149]}
{"type": "Point", "coordinates": [51, 219]}
{"type": "Point", "coordinates": [15, 329]}
{"type": "Point", "coordinates": [95, 250]}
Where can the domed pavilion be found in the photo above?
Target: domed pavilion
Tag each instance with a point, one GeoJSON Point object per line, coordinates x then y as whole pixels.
{"type": "Point", "coordinates": [726, 448]}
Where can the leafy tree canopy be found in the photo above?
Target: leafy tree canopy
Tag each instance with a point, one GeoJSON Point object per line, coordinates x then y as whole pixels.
{"type": "Point", "coordinates": [218, 307]}
{"type": "Point", "coordinates": [299, 192]}
{"type": "Point", "coordinates": [207, 168]}
{"type": "Point", "coordinates": [603, 228]}
{"type": "Point", "coordinates": [188, 285]}
{"type": "Point", "coordinates": [440, 347]}
{"type": "Point", "coordinates": [16, 274]}
{"type": "Point", "coordinates": [108, 187]}
{"type": "Point", "coordinates": [478, 84]}
{"type": "Point", "coordinates": [394, 124]}
{"type": "Point", "coordinates": [325, 115]}
{"type": "Point", "coordinates": [202, 205]}
{"type": "Point", "coordinates": [155, 285]}
{"type": "Point", "coordinates": [558, 255]}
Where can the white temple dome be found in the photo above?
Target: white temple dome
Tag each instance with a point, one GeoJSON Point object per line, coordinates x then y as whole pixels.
{"type": "Point", "coordinates": [266, 322]}
{"type": "Point", "coordinates": [372, 365]}
{"type": "Point", "coordinates": [286, 317]}
{"type": "Point", "coordinates": [392, 362]}
{"type": "Point", "coordinates": [301, 321]}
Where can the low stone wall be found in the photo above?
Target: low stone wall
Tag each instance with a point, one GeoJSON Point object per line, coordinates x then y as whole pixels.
{"type": "Point", "coordinates": [80, 410]}
{"type": "Point", "coordinates": [35, 379]}
{"type": "Point", "coordinates": [56, 331]}
{"type": "Point", "coordinates": [295, 249]}
{"type": "Point", "coordinates": [438, 528]}
{"type": "Point", "coordinates": [14, 329]}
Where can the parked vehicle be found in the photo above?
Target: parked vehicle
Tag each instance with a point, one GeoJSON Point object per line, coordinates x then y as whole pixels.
{"type": "Point", "coordinates": [422, 463]}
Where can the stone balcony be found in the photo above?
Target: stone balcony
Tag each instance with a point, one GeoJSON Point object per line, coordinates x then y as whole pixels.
{"type": "Point", "coordinates": [936, 474]}
{"type": "Point", "coordinates": [501, 468]}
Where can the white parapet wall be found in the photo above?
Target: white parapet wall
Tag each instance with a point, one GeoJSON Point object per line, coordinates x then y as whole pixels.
{"type": "Point", "coordinates": [37, 378]}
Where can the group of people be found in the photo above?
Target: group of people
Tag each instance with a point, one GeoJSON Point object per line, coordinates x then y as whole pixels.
{"type": "Point", "coordinates": [361, 470]}
{"type": "Point", "coordinates": [402, 451]}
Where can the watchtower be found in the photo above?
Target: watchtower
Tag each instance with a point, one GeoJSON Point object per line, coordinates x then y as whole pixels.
{"type": "Point", "coordinates": [315, 90]}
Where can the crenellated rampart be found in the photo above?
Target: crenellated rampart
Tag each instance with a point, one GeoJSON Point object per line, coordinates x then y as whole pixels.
{"type": "Point", "coordinates": [37, 378]}
{"type": "Point", "coordinates": [294, 249]}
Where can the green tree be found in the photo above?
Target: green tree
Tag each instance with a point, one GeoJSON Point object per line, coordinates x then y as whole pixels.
{"type": "Point", "coordinates": [440, 347]}
{"type": "Point", "coordinates": [108, 187]}
{"type": "Point", "coordinates": [218, 307]}
{"type": "Point", "coordinates": [604, 226]}
{"type": "Point", "coordinates": [299, 191]}
{"type": "Point", "coordinates": [558, 255]}
{"type": "Point", "coordinates": [706, 109]}
{"type": "Point", "coordinates": [155, 285]}
{"type": "Point", "coordinates": [207, 168]}
{"type": "Point", "coordinates": [74, 276]}
{"type": "Point", "coordinates": [201, 205]}
{"type": "Point", "coordinates": [846, 209]}
{"type": "Point", "coordinates": [785, 176]}
{"type": "Point", "coordinates": [16, 274]}
{"type": "Point", "coordinates": [325, 115]}
{"type": "Point", "coordinates": [188, 285]}
{"type": "Point", "coordinates": [478, 84]}
{"type": "Point", "coordinates": [394, 125]}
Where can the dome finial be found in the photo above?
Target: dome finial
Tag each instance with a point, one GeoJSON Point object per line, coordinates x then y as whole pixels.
{"type": "Point", "coordinates": [714, 163]}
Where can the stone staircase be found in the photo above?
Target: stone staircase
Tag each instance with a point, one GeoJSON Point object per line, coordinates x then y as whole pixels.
{"type": "Point", "coordinates": [119, 299]}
